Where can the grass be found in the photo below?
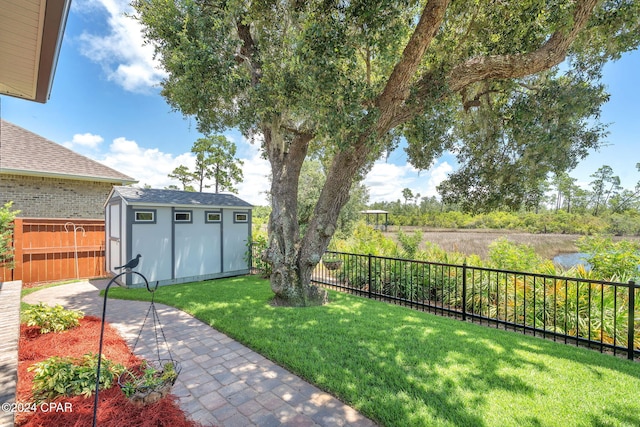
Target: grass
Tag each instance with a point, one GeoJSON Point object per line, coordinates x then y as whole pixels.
{"type": "Point", "coordinates": [477, 241]}
{"type": "Point", "coordinates": [407, 368]}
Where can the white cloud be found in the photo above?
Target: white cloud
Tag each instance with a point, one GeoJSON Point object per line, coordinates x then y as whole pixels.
{"type": "Point", "coordinates": [87, 140]}
{"type": "Point", "coordinates": [255, 185]}
{"type": "Point", "coordinates": [121, 52]}
{"type": "Point", "coordinates": [150, 166]}
{"type": "Point", "coordinates": [386, 180]}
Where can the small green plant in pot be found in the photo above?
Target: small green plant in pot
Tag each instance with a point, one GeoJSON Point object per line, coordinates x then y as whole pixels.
{"type": "Point", "coordinates": [150, 381]}
{"type": "Point", "coordinates": [332, 262]}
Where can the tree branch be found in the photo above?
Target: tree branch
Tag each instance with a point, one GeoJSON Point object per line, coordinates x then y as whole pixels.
{"type": "Point", "coordinates": [476, 69]}
{"type": "Point", "coordinates": [550, 54]}
{"type": "Point", "coordinates": [248, 52]}
{"type": "Point", "coordinates": [398, 86]}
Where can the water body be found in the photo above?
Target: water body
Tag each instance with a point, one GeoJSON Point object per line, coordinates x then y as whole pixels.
{"type": "Point", "coordinates": [569, 260]}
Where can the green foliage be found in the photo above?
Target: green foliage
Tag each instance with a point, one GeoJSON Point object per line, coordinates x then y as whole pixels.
{"type": "Point", "coordinates": [512, 139]}
{"type": "Point", "coordinates": [366, 240]}
{"type": "Point", "coordinates": [506, 255]}
{"type": "Point", "coordinates": [260, 218]}
{"type": "Point", "coordinates": [624, 224]}
{"type": "Point", "coordinates": [255, 250]}
{"type": "Point", "coordinates": [182, 174]}
{"type": "Point", "coordinates": [7, 216]}
{"type": "Point", "coordinates": [69, 376]}
{"type": "Point", "coordinates": [612, 260]}
{"type": "Point", "coordinates": [562, 222]}
{"type": "Point", "coordinates": [152, 378]}
{"type": "Point", "coordinates": [51, 319]}
{"type": "Point", "coordinates": [409, 243]}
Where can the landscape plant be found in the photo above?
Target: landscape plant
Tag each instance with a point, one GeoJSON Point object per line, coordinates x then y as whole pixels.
{"type": "Point", "coordinates": [558, 305]}
{"type": "Point", "coordinates": [148, 382]}
{"type": "Point", "coordinates": [72, 376]}
{"type": "Point", "coordinates": [7, 216]}
{"type": "Point", "coordinates": [50, 318]}
{"type": "Point", "coordinates": [612, 260]}
{"type": "Point", "coordinates": [115, 410]}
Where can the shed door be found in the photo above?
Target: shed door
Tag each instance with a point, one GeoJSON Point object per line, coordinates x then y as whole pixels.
{"type": "Point", "coordinates": [115, 250]}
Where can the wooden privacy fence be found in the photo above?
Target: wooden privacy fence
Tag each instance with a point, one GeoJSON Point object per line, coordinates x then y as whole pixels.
{"type": "Point", "coordinates": [46, 250]}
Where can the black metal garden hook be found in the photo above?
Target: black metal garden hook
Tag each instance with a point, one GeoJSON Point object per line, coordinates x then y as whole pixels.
{"type": "Point", "coordinates": [104, 310]}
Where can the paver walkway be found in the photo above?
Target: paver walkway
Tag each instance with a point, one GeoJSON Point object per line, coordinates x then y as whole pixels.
{"type": "Point", "coordinates": [9, 334]}
{"type": "Point", "coordinates": [222, 382]}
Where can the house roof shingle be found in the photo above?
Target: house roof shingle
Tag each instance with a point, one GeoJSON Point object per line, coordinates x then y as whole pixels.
{"type": "Point", "coordinates": [153, 196]}
{"type": "Point", "coordinates": [24, 153]}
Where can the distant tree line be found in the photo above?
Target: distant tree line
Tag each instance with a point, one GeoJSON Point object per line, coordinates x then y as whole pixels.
{"type": "Point", "coordinates": [563, 207]}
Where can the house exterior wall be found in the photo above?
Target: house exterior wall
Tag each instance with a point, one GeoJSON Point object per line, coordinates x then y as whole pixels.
{"type": "Point", "coordinates": [41, 197]}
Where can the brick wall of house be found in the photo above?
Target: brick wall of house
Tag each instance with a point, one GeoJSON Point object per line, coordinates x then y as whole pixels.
{"type": "Point", "coordinates": [41, 197]}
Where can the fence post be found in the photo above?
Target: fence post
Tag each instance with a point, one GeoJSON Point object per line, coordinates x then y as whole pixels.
{"type": "Point", "coordinates": [18, 253]}
{"type": "Point", "coordinates": [369, 273]}
{"type": "Point", "coordinates": [631, 318]}
{"type": "Point", "coordinates": [464, 290]}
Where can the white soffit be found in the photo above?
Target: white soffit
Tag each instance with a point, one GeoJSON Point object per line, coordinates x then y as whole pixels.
{"type": "Point", "coordinates": [30, 36]}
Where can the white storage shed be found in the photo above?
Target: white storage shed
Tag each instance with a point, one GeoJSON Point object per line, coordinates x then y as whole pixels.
{"type": "Point", "coordinates": [182, 236]}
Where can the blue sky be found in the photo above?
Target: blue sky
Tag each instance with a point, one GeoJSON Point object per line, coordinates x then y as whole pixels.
{"type": "Point", "coordinates": [105, 104]}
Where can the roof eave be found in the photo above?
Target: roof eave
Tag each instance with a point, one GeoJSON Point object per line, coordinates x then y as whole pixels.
{"type": "Point", "coordinates": [121, 181]}
{"type": "Point", "coordinates": [181, 205]}
{"type": "Point", "coordinates": [44, 54]}
{"type": "Point", "coordinates": [56, 16]}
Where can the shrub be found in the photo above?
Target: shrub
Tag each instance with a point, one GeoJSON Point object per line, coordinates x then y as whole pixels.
{"type": "Point", "coordinates": [51, 319]}
{"type": "Point", "coordinates": [6, 234]}
{"type": "Point", "coordinates": [69, 376]}
{"type": "Point", "coordinates": [255, 249]}
{"type": "Point", "coordinates": [366, 240]}
{"type": "Point", "coordinates": [611, 260]}
{"type": "Point", "coordinates": [506, 255]}
{"type": "Point", "coordinates": [409, 243]}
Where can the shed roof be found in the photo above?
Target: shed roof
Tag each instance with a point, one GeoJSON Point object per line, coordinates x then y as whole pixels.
{"type": "Point", "coordinates": [25, 153]}
{"type": "Point", "coordinates": [158, 197]}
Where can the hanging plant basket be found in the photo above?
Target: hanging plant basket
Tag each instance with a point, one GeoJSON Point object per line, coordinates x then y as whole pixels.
{"type": "Point", "coordinates": [332, 264]}
{"type": "Point", "coordinates": [150, 381]}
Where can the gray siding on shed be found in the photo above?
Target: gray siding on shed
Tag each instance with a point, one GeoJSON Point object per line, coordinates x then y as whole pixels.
{"type": "Point", "coordinates": [197, 247]}
{"type": "Point", "coordinates": [177, 252]}
{"type": "Point", "coordinates": [154, 242]}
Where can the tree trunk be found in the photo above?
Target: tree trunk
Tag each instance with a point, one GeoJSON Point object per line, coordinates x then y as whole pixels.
{"type": "Point", "coordinates": [290, 279]}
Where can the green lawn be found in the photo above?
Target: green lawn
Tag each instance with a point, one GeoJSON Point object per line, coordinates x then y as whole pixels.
{"type": "Point", "coordinates": [406, 368]}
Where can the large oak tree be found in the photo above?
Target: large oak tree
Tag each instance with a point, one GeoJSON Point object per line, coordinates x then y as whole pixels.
{"type": "Point", "coordinates": [347, 79]}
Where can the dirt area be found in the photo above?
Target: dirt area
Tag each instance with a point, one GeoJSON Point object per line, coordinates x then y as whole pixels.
{"type": "Point", "coordinates": [477, 241]}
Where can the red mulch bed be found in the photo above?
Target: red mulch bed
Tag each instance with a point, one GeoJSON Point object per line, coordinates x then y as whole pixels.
{"type": "Point", "coordinates": [114, 409]}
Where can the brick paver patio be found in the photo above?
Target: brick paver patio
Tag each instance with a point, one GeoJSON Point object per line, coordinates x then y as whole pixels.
{"type": "Point", "coordinates": [222, 382]}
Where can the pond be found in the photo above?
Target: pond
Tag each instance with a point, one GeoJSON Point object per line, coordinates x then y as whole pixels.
{"type": "Point", "coordinates": [571, 259]}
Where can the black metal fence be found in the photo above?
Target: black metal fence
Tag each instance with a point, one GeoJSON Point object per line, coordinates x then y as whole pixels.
{"type": "Point", "coordinates": [591, 313]}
